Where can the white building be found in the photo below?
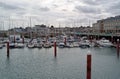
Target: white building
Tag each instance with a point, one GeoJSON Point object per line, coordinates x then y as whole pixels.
{"type": "Point", "coordinates": [41, 30]}
{"type": "Point", "coordinates": [109, 25]}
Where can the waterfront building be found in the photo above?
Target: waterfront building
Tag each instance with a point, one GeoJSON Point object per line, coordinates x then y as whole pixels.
{"type": "Point", "coordinates": [108, 25]}
{"type": "Point", "coordinates": [16, 31]}
{"type": "Point", "coordinates": [3, 33]}
{"type": "Point", "coordinates": [41, 30]}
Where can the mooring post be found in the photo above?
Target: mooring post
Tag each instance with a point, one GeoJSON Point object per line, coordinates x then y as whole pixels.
{"type": "Point", "coordinates": [46, 39]}
{"type": "Point", "coordinates": [65, 40]}
{"type": "Point", "coordinates": [112, 39]}
{"type": "Point", "coordinates": [55, 49]}
{"type": "Point", "coordinates": [88, 76]}
{"type": "Point", "coordinates": [8, 49]}
{"type": "Point", "coordinates": [98, 37]}
{"type": "Point", "coordinates": [14, 39]}
{"type": "Point", "coordinates": [117, 48]}
{"type": "Point", "coordinates": [91, 39]}
{"type": "Point", "coordinates": [23, 39]}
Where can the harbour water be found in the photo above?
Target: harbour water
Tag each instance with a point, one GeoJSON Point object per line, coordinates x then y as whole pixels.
{"type": "Point", "coordinates": [70, 63]}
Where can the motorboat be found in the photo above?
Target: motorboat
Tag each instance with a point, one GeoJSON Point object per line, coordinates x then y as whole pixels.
{"type": "Point", "coordinates": [11, 45]}
{"type": "Point", "coordinates": [84, 44]}
{"type": "Point", "coordinates": [61, 45]}
{"type": "Point", "coordinates": [19, 45]}
{"type": "Point", "coordinates": [104, 43]}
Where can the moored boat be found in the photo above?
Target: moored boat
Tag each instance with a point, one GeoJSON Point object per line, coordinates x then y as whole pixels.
{"type": "Point", "coordinates": [104, 43]}
{"type": "Point", "coordinates": [84, 44]}
{"type": "Point", "coordinates": [38, 45]}
{"type": "Point", "coordinates": [19, 45]}
{"type": "Point", "coordinates": [30, 45]}
{"type": "Point", "coordinates": [75, 44]}
{"type": "Point", "coordinates": [11, 45]}
{"type": "Point", "coordinates": [61, 45]}
{"type": "Point", "coordinates": [47, 45]}
{"type": "Point", "coordinates": [69, 45]}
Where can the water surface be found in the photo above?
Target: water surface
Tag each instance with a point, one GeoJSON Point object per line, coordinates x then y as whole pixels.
{"type": "Point", "coordinates": [70, 63]}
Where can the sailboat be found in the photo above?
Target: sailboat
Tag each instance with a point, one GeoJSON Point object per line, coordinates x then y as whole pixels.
{"type": "Point", "coordinates": [38, 45]}
{"type": "Point", "coordinates": [1, 40]}
{"type": "Point", "coordinates": [30, 45]}
{"type": "Point", "coordinates": [1, 45]}
{"type": "Point", "coordinates": [11, 43]}
{"type": "Point", "coordinates": [47, 45]}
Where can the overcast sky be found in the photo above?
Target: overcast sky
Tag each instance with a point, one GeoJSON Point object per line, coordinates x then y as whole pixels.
{"type": "Point", "coordinates": [56, 12]}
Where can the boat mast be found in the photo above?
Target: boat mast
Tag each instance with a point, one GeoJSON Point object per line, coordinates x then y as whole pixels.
{"type": "Point", "coordinates": [30, 29]}
{"type": "Point", "coordinates": [9, 20]}
{"type": "Point", "coordinates": [3, 29]}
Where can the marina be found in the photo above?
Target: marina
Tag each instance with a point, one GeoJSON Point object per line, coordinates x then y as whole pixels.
{"type": "Point", "coordinates": [64, 58]}
{"type": "Point", "coordinates": [59, 39]}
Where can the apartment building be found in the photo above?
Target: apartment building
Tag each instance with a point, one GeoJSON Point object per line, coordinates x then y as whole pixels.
{"type": "Point", "coordinates": [108, 25]}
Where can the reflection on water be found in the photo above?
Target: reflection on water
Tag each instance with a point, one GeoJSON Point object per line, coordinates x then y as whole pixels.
{"type": "Point", "coordinates": [70, 63]}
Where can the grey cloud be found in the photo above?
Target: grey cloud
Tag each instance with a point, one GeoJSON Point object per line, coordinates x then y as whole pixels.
{"type": "Point", "coordinates": [9, 7]}
{"type": "Point", "coordinates": [70, 1]}
{"type": "Point", "coordinates": [44, 9]}
{"type": "Point", "coordinates": [78, 22]}
{"type": "Point", "coordinates": [20, 13]}
{"type": "Point", "coordinates": [87, 9]}
{"type": "Point", "coordinates": [92, 9]}
{"type": "Point", "coordinates": [104, 1]}
{"type": "Point", "coordinates": [114, 8]}
{"type": "Point", "coordinates": [117, 12]}
{"type": "Point", "coordinates": [64, 10]}
{"type": "Point", "coordinates": [90, 2]}
{"type": "Point", "coordinates": [96, 16]}
{"type": "Point", "coordinates": [55, 5]}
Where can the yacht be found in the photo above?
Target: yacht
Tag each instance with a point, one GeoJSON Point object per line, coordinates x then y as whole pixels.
{"type": "Point", "coordinates": [61, 45]}
{"type": "Point", "coordinates": [104, 43]}
{"type": "Point", "coordinates": [84, 43]}
{"type": "Point", "coordinates": [11, 45]}
{"type": "Point", "coordinates": [19, 45]}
